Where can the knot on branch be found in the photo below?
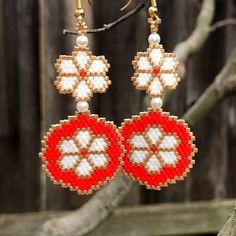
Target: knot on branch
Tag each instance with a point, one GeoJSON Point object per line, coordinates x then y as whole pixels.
{"type": "Point", "coordinates": [106, 26]}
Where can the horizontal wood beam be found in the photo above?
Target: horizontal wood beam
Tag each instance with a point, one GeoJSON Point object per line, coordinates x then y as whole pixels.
{"type": "Point", "coordinates": [151, 220]}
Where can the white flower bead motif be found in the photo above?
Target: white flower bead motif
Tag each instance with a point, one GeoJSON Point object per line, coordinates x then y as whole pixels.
{"type": "Point", "coordinates": [154, 149]}
{"type": "Point", "coordinates": [155, 71]}
{"type": "Point", "coordinates": [82, 74]}
{"type": "Point", "coordinates": [83, 153]}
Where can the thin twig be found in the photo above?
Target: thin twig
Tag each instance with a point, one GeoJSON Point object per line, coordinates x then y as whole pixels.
{"type": "Point", "coordinates": [196, 40]}
{"type": "Point", "coordinates": [223, 85]}
{"type": "Point", "coordinates": [200, 34]}
{"type": "Point", "coordinates": [222, 23]}
{"type": "Point", "coordinates": [113, 24]}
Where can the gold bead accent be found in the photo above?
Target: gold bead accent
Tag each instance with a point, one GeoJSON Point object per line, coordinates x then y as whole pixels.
{"type": "Point", "coordinates": [81, 28]}
{"type": "Point", "coordinates": [154, 23]}
{"type": "Point", "coordinates": [153, 12]}
{"type": "Point", "coordinates": [79, 14]}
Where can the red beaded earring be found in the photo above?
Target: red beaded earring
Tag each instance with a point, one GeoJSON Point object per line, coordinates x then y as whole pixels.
{"type": "Point", "coordinates": [159, 147]}
{"type": "Point", "coordinates": [82, 152]}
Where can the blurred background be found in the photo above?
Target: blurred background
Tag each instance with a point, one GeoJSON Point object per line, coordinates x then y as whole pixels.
{"type": "Point", "coordinates": [31, 39]}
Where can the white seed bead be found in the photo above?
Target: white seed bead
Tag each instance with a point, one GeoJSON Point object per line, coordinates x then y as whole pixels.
{"type": "Point", "coordinates": [82, 40]}
{"type": "Point", "coordinates": [82, 106]}
{"type": "Point", "coordinates": [154, 38]}
{"type": "Point", "coordinates": [156, 103]}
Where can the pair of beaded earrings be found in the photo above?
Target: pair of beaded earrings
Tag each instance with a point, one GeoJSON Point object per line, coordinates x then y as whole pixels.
{"type": "Point", "coordinates": [84, 152]}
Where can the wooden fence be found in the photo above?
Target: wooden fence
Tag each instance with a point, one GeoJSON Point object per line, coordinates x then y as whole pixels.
{"type": "Point", "coordinates": [30, 41]}
{"type": "Point", "coordinates": [201, 218]}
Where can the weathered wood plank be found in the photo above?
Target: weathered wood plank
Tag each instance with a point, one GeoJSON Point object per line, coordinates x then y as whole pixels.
{"type": "Point", "coordinates": [229, 228]}
{"type": "Point", "coordinates": [179, 219]}
{"type": "Point", "coordinates": [153, 220]}
{"type": "Point", "coordinates": [24, 224]}
{"type": "Point", "coordinates": [19, 122]}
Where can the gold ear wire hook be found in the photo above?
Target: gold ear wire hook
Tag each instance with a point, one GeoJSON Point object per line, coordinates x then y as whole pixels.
{"type": "Point", "coordinates": [153, 9]}
{"type": "Point", "coordinates": [154, 3]}
{"type": "Point", "coordinates": [126, 5]}
{"type": "Point", "coordinates": [79, 12]}
{"type": "Point", "coordinates": [78, 4]}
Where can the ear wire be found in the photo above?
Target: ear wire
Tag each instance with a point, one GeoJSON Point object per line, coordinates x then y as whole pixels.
{"type": "Point", "coordinates": [79, 12]}
{"type": "Point", "coordinates": [126, 5]}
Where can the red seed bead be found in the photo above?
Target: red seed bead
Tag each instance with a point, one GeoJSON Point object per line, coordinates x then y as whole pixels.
{"type": "Point", "coordinates": [156, 71]}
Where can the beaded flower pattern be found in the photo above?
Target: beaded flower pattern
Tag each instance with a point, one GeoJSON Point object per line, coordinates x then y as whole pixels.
{"type": "Point", "coordinates": [154, 149]}
{"type": "Point", "coordinates": [83, 153]}
{"type": "Point", "coordinates": [82, 74]}
{"type": "Point", "coordinates": [159, 148]}
{"type": "Point", "coordinates": [155, 71]}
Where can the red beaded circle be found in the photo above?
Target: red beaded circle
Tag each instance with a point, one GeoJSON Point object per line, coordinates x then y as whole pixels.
{"type": "Point", "coordinates": [143, 154]}
{"type": "Point", "coordinates": [51, 154]}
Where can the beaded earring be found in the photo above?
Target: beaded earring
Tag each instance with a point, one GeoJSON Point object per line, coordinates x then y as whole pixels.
{"type": "Point", "coordinates": [159, 147]}
{"type": "Point", "coordinates": [82, 152]}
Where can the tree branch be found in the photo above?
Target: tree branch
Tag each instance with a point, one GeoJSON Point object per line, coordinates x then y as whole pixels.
{"type": "Point", "coordinates": [229, 228]}
{"type": "Point", "coordinates": [90, 214]}
{"type": "Point", "coordinates": [107, 27]}
{"type": "Point", "coordinates": [199, 35]}
{"type": "Point", "coordinates": [196, 40]}
{"type": "Point", "coordinates": [224, 85]}
{"type": "Point", "coordinates": [222, 23]}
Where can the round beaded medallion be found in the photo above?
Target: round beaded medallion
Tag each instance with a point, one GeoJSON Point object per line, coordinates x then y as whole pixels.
{"type": "Point", "coordinates": [159, 148]}
{"type": "Point", "coordinates": [82, 153]}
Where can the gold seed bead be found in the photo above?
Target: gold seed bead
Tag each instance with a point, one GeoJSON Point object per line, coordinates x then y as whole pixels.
{"type": "Point", "coordinates": [153, 27]}
{"type": "Point", "coordinates": [79, 13]}
{"type": "Point", "coordinates": [152, 11]}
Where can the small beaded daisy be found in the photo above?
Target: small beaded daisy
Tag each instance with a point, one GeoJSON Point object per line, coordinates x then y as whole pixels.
{"type": "Point", "coordinates": [82, 152]}
{"type": "Point", "coordinates": [159, 147]}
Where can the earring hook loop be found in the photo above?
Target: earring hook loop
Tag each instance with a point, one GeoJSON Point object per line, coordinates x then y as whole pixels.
{"type": "Point", "coordinates": [154, 3]}
{"type": "Point", "coordinates": [79, 12]}
{"type": "Point", "coordinates": [126, 5]}
{"type": "Point", "coordinates": [152, 9]}
{"type": "Point", "coordinates": [78, 4]}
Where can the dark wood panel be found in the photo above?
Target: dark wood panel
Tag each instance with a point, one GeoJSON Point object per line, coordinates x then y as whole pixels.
{"type": "Point", "coordinates": [119, 46]}
{"type": "Point", "coordinates": [208, 175]}
{"type": "Point", "coordinates": [19, 135]}
{"type": "Point", "coordinates": [56, 107]}
{"type": "Point", "coordinates": [230, 180]}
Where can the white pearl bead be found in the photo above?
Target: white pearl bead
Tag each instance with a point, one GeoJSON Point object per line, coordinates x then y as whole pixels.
{"type": "Point", "coordinates": [156, 103]}
{"type": "Point", "coordinates": [82, 40]}
{"type": "Point", "coordinates": [154, 38]}
{"type": "Point", "coordinates": [82, 106]}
